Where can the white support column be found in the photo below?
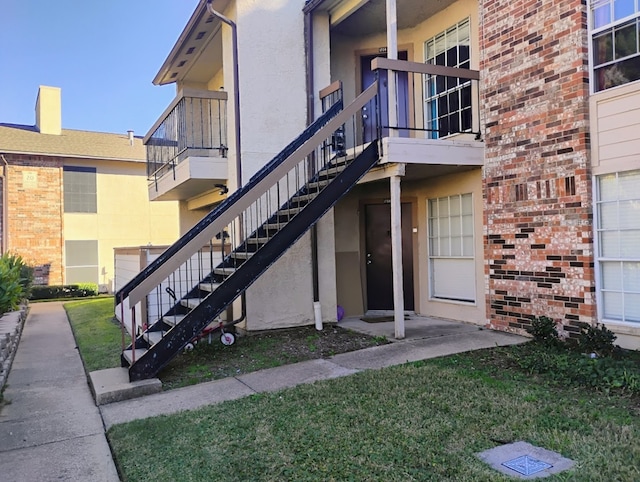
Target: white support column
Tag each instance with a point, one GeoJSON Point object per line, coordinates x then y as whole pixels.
{"type": "Point", "coordinates": [392, 53]}
{"type": "Point", "coordinates": [396, 256]}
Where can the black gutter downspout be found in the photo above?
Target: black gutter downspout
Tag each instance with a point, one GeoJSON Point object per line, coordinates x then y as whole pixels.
{"type": "Point", "coordinates": [308, 47]}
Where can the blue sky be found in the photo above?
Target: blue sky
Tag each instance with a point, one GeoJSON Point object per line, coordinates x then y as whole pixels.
{"type": "Point", "coordinates": [103, 54]}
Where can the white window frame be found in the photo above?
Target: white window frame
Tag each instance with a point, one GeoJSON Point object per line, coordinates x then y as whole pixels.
{"type": "Point", "coordinates": [432, 258]}
{"type": "Point", "coordinates": [599, 260]}
{"type": "Point", "coordinates": [433, 97]}
{"type": "Point", "coordinates": [593, 32]}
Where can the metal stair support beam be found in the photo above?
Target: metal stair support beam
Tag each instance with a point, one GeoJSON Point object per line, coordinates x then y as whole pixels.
{"type": "Point", "coordinates": [211, 307]}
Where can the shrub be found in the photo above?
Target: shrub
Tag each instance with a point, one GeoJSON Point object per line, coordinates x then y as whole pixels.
{"type": "Point", "coordinates": [597, 339]}
{"type": "Point", "coordinates": [80, 290]}
{"type": "Point", "coordinates": [15, 281]}
{"type": "Point", "coordinates": [543, 329]}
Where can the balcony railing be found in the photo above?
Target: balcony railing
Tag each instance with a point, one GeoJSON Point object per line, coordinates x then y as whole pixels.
{"type": "Point", "coordinates": [194, 124]}
{"type": "Point", "coordinates": [432, 101]}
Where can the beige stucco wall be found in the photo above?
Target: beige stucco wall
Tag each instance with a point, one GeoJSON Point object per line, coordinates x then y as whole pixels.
{"type": "Point", "coordinates": [125, 216]}
{"type": "Point", "coordinates": [349, 229]}
{"type": "Point", "coordinates": [615, 124]}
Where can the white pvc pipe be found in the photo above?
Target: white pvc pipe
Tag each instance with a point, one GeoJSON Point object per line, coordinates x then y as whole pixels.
{"type": "Point", "coordinates": [318, 315]}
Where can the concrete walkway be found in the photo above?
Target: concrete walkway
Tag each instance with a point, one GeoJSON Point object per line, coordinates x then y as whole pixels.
{"type": "Point", "coordinates": [51, 429]}
{"type": "Point", "coordinates": [425, 338]}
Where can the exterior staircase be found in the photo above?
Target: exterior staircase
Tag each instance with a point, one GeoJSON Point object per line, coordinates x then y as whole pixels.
{"type": "Point", "coordinates": [251, 229]}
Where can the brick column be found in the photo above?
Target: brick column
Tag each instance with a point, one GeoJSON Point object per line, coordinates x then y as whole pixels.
{"type": "Point", "coordinates": [537, 181]}
{"type": "Point", "coordinates": [35, 214]}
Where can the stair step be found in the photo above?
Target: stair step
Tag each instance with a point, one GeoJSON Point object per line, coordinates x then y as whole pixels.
{"type": "Point", "coordinates": [172, 320]}
{"type": "Point", "coordinates": [318, 184]}
{"type": "Point", "coordinates": [128, 354]}
{"type": "Point", "coordinates": [304, 197]}
{"type": "Point", "coordinates": [152, 337]}
{"type": "Point", "coordinates": [332, 170]}
{"type": "Point", "coordinates": [261, 240]}
{"type": "Point", "coordinates": [208, 286]}
{"type": "Point", "coordinates": [242, 254]}
{"type": "Point", "coordinates": [191, 303]}
{"type": "Point", "coordinates": [228, 271]}
{"type": "Point", "coordinates": [274, 227]}
{"type": "Point", "coordinates": [289, 211]}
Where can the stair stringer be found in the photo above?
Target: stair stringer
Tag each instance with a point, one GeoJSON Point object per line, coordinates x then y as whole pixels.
{"type": "Point", "coordinates": [160, 354]}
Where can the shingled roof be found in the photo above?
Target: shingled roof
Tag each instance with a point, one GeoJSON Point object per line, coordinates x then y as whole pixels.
{"type": "Point", "coordinates": [23, 139]}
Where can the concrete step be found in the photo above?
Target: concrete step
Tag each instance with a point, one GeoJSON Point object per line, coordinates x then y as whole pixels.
{"type": "Point", "coordinates": [261, 240]}
{"type": "Point", "coordinates": [241, 254]}
{"type": "Point", "coordinates": [190, 303]}
{"type": "Point", "coordinates": [224, 271]}
{"type": "Point", "coordinates": [208, 286]}
{"type": "Point", "coordinates": [128, 354]}
{"type": "Point", "coordinates": [173, 320]}
{"type": "Point", "coordinates": [153, 337]}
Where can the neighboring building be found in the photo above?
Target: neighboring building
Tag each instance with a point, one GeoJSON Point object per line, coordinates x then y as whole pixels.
{"type": "Point", "coordinates": [509, 156]}
{"type": "Point", "coordinates": [70, 197]}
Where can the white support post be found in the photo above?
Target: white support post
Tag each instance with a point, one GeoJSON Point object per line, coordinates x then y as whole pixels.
{"type": "Point", "coordinates": [392, 53]}
{"type": "Point", "coordinates": [396, 256]}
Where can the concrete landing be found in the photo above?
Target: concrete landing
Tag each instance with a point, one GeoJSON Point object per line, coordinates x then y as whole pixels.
{"type": "Point", "coordinates": [113, 385]}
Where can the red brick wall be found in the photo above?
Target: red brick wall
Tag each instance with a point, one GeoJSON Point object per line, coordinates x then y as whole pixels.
{"type": "Point", "coordinates": [537, 182]}
{"type": "Point", "coordinates": [35, 214]}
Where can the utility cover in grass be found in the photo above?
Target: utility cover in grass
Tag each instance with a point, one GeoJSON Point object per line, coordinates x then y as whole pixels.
{"type": "Point", "coordinates": [525, 461]}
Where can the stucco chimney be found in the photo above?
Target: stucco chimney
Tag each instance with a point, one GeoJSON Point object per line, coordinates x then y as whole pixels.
{"type": "Point", "coordinates": [49, 110]}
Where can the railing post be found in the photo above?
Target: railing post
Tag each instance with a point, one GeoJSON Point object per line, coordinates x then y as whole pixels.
{"type": "Point", "coordinates": [122, 320]}
{"type": "Point", "coordinates": [133, 335]}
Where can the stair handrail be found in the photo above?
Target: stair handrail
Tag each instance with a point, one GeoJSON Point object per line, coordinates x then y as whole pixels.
{"type": "Point", "coordinates": [221, 216]}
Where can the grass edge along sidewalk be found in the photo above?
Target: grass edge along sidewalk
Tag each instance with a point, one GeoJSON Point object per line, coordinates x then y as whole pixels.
{"type": "Point", "coordinates": [419, 421]}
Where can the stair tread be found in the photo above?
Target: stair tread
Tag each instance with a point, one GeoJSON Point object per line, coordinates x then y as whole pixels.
{"type": "Point", "coordinates": [173, 319]}
{"type": "Point", "coordinates": [208, 286]}
{"type": "Point", "coordinates": [242, 254]}
{"type": "Point", "coordinates": [153, 337]}
{"type": "Point", "coordinates": [225, 271]}
{"type": "Point", "coordinates": [128, 354]}
{"type": "Point", "coordinates": [191, 302]}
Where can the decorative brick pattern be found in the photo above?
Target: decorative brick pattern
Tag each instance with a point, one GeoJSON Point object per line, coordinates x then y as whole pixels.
{"type": "Point", "coordinates": [537, 180]}
{"type": "Point", "coordinates": [35, 214]}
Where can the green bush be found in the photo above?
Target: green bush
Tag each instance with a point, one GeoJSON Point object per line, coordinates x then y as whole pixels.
{"type": "Point", "coordinates": [15, 281]}
{"type": "Point", "coordinates": [543, 330]}
{"type": "Point", "coordinates": [80, 290]}
{"type": "Point", "coordinates": [568, 367]}
{"type": "Point", "coordinates": [597, 339]}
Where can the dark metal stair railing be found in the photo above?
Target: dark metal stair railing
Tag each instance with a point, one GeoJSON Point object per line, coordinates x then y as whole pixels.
{"type": "Point", "coordinates": [282, 202]}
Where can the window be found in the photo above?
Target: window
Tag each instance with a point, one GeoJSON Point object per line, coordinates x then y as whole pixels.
{"type": "Point", "coordinates": [80, 194]}
{"type": "Point", "coordinates": [451, 248]}
{"type": "Point", "coordinates": [615, 33]}
{"type": "Point", "coordinates": [81, 261]}
{"type": "Point", "coordinates": [618, 254]}
{"type": "Point", "coordinates": [448, 99]}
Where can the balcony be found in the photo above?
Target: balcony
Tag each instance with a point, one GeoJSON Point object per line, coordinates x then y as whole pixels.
{"type": "Point", "coordinates": [435, 127]}
{"type": "Point", "coordinates": [187, 146]}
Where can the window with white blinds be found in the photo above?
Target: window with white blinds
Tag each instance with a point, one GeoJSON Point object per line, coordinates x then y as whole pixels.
{"type": "Point", "coordinates": [618, 255]}
{"type": "Point", "coordinates": [451, 248]}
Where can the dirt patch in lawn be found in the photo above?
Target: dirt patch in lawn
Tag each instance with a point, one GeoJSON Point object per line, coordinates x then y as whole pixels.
{"type": "Point", "coordinates": [256, 351]}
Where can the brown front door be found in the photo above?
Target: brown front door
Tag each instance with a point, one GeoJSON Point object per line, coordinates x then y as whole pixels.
{"type": "Point", "coordinates": [378, 257]}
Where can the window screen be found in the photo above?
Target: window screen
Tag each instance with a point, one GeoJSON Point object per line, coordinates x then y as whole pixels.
{"type": "Point", "coordinates": [80, 193]}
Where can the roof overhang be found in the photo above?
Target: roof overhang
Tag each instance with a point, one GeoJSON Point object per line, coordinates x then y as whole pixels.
{"type": "Point", "coordinates": [196, 53]}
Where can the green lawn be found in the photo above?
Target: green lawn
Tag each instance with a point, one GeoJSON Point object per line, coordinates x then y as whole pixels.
{"type": "Point", "coordinates": [420, 421]}
{"type": "Point", "coordinates": [96, 332]}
